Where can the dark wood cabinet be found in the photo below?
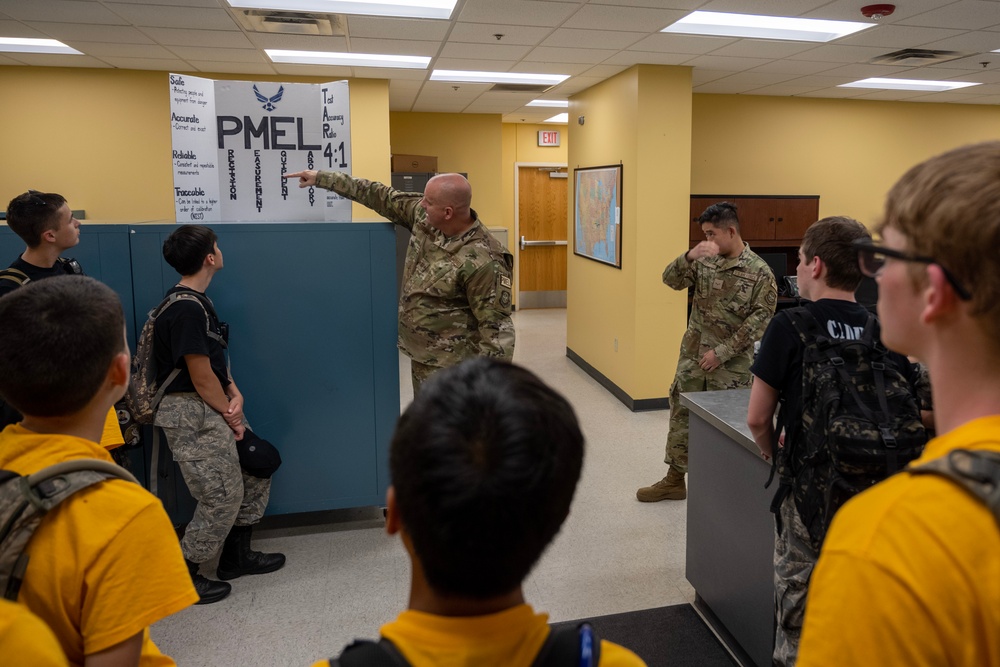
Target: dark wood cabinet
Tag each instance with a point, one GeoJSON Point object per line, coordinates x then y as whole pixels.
{"type": "Point", "coordinates": [771, 221]}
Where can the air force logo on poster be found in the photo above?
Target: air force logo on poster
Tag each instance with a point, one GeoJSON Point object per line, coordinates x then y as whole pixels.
{"type": "Point", "coordinates": [234, 140]}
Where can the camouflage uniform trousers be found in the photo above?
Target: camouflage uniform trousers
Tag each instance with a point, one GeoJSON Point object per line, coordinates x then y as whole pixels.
{"type": "Point", "coordinates": [735, 374]}
{"type": "Point", "coordinates": [419, 373]}
{"type": "Point", "coordinates": [205, 450]}
{"type": "Point", "coordinates": [794, 560]}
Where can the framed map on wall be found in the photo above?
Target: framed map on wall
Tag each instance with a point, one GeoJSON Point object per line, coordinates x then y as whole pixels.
{"type": "Point", "coordinates": [598, 202]}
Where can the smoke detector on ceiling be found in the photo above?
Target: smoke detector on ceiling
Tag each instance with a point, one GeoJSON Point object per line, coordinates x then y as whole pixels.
{"type": "Point", "coordinates": [876, 12]}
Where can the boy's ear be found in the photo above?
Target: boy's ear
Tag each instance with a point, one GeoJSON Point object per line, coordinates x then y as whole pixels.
{"type": "Point", "coordinates": [118, 372]}
{"type": "Point", "coordinates": [940, 298]}
{"type": "Point", "coordinates": [392, 521]}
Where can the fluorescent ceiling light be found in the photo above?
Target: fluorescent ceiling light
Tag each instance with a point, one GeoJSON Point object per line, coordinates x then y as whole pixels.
{"type": "Point", "coordinates": [414, 9]}
{"type": "Point", "coordinates": [349, 59]}
{"type": "Point", "coordinates": [764, 27]}
{"type": "Point", "coordinates": [496, 77]}
{"type": "Point", "coordinates": [907, 84]}
{"type": "Point", "coordinates": [558, 118]}
{"type": "Point", "coordinates": [27, 45]}
{"type": "Point", "coordinates": [562, 104]}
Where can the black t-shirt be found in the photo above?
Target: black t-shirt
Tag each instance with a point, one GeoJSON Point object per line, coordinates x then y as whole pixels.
{"type": "Point", "coordinates": [779, 361]}
{"type": "Point", "coordinates": [181, 329]}
{"type": "Point", "coordinates": [60, 268]}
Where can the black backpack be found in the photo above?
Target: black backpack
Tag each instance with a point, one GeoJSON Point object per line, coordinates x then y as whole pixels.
{"type": "Point", "coordinates": [860, 423]}
{"type": "Point", "coordinates": [24, 502]}
{"type": "Point", "coordinates": [566, 646]}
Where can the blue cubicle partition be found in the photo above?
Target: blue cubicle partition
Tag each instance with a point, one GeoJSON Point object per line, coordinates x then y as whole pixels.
{"type": "Point", "coordinates": [312, 313]}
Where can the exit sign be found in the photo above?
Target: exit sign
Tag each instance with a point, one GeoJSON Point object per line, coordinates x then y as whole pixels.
{"type": "Point", "coordinates": [548, 137]}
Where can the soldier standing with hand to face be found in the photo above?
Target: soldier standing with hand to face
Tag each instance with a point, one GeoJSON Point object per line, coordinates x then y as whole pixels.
{"type": "Point", "coordinates": [734, 298]}
{"type": "Point", "coordinates": [456, 299]}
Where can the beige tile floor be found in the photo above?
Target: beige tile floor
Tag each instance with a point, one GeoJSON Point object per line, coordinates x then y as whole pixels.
{"type": "Point", "coordinates": [345, 578]}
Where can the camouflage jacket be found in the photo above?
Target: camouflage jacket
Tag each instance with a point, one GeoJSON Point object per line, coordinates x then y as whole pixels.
{"type": "Point", "coordinates": [456, 297]}
{"type": "Point", "coordinates": [733, 302]}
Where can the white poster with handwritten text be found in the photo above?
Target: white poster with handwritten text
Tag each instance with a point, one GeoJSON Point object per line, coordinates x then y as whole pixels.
{"type": "Point", "coordinates": [251, 134]}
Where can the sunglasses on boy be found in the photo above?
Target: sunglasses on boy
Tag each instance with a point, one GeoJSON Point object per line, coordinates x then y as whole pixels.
{"type": "Point", "coordinates": [871, 259]}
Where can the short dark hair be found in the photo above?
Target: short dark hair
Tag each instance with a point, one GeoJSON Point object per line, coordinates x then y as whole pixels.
{"type": "Point", "coordinates": [484, 463]}
{"type": "Point", "coordinates": [831, 239]}
{"type": "Point", "coordinates": [187, 247]}
{"type": "Point", "coordinates": [32, 214]}
{"type": "Point", "coordinates": [722, 215]}
{"type": "Point", "coordinates": [59, 336]}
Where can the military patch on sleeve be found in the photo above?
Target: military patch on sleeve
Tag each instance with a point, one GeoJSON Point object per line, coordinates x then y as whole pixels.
{"type": "Point", "coordinates": [505, 298]}
{"type": "Point", "coordinates": [770, 298]}
{"type": "Point", "coordinates": [505, 282]}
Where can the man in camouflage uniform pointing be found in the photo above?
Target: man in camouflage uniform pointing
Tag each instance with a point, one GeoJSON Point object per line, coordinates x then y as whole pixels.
{"type": "Point", "coordinates": [734, 299]}
{"type": "Point", "coordinates": [456, 298]}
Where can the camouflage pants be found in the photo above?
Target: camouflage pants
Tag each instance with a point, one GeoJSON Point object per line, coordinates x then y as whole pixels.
{"type": "Point", "coordinates": [794, 560]}
{"type": "Point", "coordinates": [735, 374]}
{"type": "Point", "coordinates": [205, 450]}
{"type": "Point", "coordinates": [419, 373]}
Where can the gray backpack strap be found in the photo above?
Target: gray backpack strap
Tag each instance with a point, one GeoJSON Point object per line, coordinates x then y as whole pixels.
{"type": "Point", "coordinates": [24, 502]}
{"type": "Point", "coordinates": [978, 472]}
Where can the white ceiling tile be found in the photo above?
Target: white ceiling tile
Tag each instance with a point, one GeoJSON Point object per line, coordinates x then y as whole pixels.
{"type": "Point", "coordinates": [516, 12]}
{"type": "Point", "coordinates": [975, 62]}
{"type": "Point", "coordinates": [758, 79]}
{"type": "Point", "coordinates": [762, 48]}
{"type": "Point", "coordinates": [898, 36]}
{"type": "Point", "coordinates": [401, 101]}
{"type": "Point", "coordinates": [436, 106]}
{"type": "Point", "coordinates": [638, 19]}
{"type": "Point", "coordinates": [390, 28]}
{"type": "Point", "coordinates": [861, 71]}
{"type": "Point", "coordinates": [47, 60]}
{"type": "Point", "coordinates": [297, 42]}
{"type": "Point", "coordinates": [850, 10]}
{"type": "Point", "coordinates": [681, 5]}
{"type": "Point", "coordinates": [647, 58]}
{"type": "Point", "coordinates": [890, 95]}
{"type": "Point", "coordinates": [840, 53]}
{"type": "Point", "coordinates": [484, 51]}
{"type": "Point", "coordinates": [160, 16]}
{"type": "Point", "coordinates": [762, 7]}
{"type": "Point", "coordinates": [396, 47]}
{"type": "Point", "coordinates": [448, 90]}
{"type": "Point", "coordinates": [491, 106]}
{"type": "Point", "coordinates": [559, 55]}
{"type": "Point", "coordinates": [984, 76]}
{"type": "Point", "coordinates": [220, 55]}
{"type": "Point", "coordinates": [222, 67]}
{"type": "Point", "coordinates": [17, 29]}
{"type": "Point", "coordinates": [400, 86]}
{"type": "Point", "coordinates": [978, 40]}
{"type": "Point", "coordinates": [4, 60]}
{"type": "Point", "coordinates": [605, 39]}
{"type": "Point", "coordinates": [180, 3]}
{"type": "Point", "coordinates": [986, 99]}
{"type": "Point", "coordinates": [607, 70]}
{"type": "Point", "coordinates": [512, 34]}
{"type": "Point", "coordinates": [784, 89]}
{"type": "Point", "coordinates": [967, 14]}
{"type": "Point", "coordinates": [704, 75]}
{"type": "Point", "coordinates": [219, 38]}
{"type": "Point", "coordinates": [101, 49]}
{"type": "Point", "coordinates": [795, 67]}
{"type": "Point", "coordinates": [669, 43]}
{"type": "Point", "coordinates": [156, 64]}
{"type": "Point", "coordinates": [330, 72]}
{"type": "Point", "coordinates": [727, 86]}
{"type": "Point", "coordinates": [833, 93]}
{"type": "Point", "coordinates": [825, 81]}
{"type": "Point", "coordinates": [471, 65]}
{"type": "Point", "coordinates": [393, 74]}
{"type": "Point", "coordinates": [723, 62]}
{"type": "Point", "coordinates": [574, 85]}
{"type": "Point", "coordinates": [114, 34]}
{"type": "Point", "coordinates": [947, 96]}
{"type": "Point", "coordinates": [550, 68]}
{"type": "Point", "coordinates": [68, 11]}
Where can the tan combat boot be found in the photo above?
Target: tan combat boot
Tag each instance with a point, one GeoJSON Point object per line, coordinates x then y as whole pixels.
{"type": "Point", "coordinates": [670, 487]}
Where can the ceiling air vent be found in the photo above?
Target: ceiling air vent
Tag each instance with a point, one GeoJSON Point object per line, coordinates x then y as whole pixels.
{"type": "Point", "coordinates": [290, 23]}
{"type": "Point", "coordinates": [520, 87]}
{"type": "Point", "coordinates": [916, 57]}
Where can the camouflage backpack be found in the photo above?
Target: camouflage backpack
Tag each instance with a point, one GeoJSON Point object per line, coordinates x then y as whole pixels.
{"type": "Point", "coordinates": [24, 502]}
{"type": "Point", "coordinates": [143, 395]}
{"type": "Point", "coordinates": [860, 422]}
{"type": "Point", "coordinates": [978, 472]}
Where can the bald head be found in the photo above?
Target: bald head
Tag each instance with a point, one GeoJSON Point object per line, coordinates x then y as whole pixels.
{"type": "Point", "coordinates": [447, 201]}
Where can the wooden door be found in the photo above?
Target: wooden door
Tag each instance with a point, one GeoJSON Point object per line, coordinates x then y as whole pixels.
{"type": "Point", "coordinates": [756, 218]}
{"type": "Point", "coordinates": [794, 217]}
{"type": "Point", "coordinates": [542, 217]}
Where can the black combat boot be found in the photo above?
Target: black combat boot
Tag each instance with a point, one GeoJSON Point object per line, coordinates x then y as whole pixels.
{"type": "Point", "coordinates": [238, 559]}
{"type": "Point", "coordinates": [208, 591]}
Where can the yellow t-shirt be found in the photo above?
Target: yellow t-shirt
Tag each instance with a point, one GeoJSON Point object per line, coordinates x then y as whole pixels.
{"type": "Point", "coordinates": [105, 564]}
{"type": "Point", "coordinates": [112, 435]}
{"type": "Point", "coordinates": [511, 638]}
{"type": "Point", "coordinates": [909, 573]}
{"type": "Point", "coordinates": [25, 640]}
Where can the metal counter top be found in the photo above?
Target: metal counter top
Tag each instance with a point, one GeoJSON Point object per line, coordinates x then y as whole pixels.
{"type": "Point", "coordinates": [725, 410]}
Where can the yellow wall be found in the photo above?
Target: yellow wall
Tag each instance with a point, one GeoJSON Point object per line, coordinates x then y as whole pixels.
{"type": "Point", "coordinates": [469, 143]}
{"type": "Point", "coordinates": [849, 152]}
{"type": "Point", "coordinates": [640, 118]}
{"type": "Point", "coordinates": [101, 137]}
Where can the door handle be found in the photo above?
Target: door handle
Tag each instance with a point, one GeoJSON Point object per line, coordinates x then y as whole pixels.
{"type": "Point", "coordinates": [525, 243]}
